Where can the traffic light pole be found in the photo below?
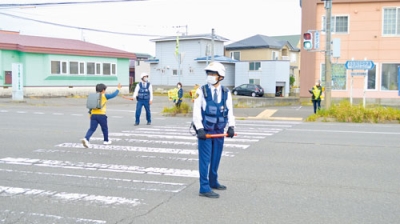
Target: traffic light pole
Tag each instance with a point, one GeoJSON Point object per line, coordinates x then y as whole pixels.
{"type": "Point", "coordinates": [328, 63]}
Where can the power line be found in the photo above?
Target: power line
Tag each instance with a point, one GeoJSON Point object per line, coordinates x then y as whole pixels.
{"type": "Point", "coordinates": [64, 3]}
{"type": "Point", "coordinates": [81, 28]}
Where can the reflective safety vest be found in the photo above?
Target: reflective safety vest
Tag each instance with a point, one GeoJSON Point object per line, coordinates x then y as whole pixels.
{"type": "Point", "coordinates": [316, 91]}
{"type": "Point", "coordinates": [144, 93]}
{"type": "Point", "coordinates": [215, 116]}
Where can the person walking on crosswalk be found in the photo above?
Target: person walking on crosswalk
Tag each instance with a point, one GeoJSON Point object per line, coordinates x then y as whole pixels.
{"type": "Point", "coordinates": [98, 116]}
{"type": "Point", "coordinates": [212, 112]}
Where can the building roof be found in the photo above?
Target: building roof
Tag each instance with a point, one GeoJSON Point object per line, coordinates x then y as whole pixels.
{"type": "Point", "coordinates": [49, 45]}
{"type": "Point", "coordinates": [259, 41]}
{"type": "Point", "coordinates": [207, 36]}
{"type": "Point", "coordinates": [219, 58]}
{"type": "Point", "coordinates": [292, 39]}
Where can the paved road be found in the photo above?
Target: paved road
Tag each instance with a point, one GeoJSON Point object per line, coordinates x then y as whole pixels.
{"type": "Point", "coordinates": [277, 171]}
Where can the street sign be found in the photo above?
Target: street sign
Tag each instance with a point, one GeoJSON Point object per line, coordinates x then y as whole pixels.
{"type": "Point", "coordinates": [359, 65]}
{"type": "Point", "coordinates": [316, 41]}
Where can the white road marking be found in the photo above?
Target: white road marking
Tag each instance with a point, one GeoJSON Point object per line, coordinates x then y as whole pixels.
{"type": "Point", "coordinates": [176, 137]}
{"type": "Point", "coordinates": [38, 113]}
{"type": "Point", "coordinates": [193, 143]}
{"type": "Point", "coordinates": [58, 114]}
{"type": "Point", "coordinates": [3, 111]}
{"type": "Point", "coordinates": [151, 185]}
{"type": "Point", "coordinates": [21, 112]}
{"type": "Point", "coordinates": [101, 167]}
{"type": "Point", "coordinates": [10, 215]}
{"type": "Point", "coordinates": [100, 153]}
{"type": "Point", "coordinates": [67, 197]}
{"type": "Point", "coordinates": [139, 149]}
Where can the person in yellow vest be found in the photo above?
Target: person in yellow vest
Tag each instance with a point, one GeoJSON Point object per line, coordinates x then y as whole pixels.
{"type": "Point", "coordinates": [316, 92]}
{"type": "Point", "coordinates": [193, 92]}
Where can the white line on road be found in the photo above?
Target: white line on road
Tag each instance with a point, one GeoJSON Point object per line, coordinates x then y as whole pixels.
{"type": "Point", "coordinates": [12, 215]}
{"type": "Point", "coordinates": [101, 167]}
{"type": "Point", "coordinates": [67, 197]}
{"type": "Point", "coordinates": [138, 149]}
{"type": "Point", "coordinates": [151, 185]}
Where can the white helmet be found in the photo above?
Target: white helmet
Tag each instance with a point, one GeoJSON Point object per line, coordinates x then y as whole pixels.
{"type": "Point", "coordinates": [216, 67]}
{"type": "Point", "coordinates": [143, 75]}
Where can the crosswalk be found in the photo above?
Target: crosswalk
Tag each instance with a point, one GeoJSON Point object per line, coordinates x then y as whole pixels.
{"type": "Point", "coordinates": [68, 183]}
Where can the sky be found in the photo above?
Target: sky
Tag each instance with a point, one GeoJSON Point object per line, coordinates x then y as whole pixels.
{"type": "Point", "coordinates": [131, 25]}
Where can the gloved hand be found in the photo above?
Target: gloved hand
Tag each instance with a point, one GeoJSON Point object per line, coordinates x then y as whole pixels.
{"type": "Point", "coordinates": [230, 132]}
{"type": "Point", "coordinates": [201, 134]}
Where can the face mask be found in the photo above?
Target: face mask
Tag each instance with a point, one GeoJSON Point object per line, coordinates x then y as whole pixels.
{"type": "Point", "coordinates": [145, 79]}
{"type": "Point", "coordinates": [211, 80]}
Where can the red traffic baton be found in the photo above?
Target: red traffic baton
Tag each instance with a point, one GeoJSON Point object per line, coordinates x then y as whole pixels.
{"type": "Point", "coordinates": [218, 135]}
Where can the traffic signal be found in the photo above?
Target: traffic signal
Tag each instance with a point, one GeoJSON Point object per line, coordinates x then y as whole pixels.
{"type": "Point", "coordinates": [307, 41]}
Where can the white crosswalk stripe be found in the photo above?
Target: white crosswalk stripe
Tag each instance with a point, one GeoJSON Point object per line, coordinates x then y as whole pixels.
{"type": "Point", "coordinates": [141, 163]}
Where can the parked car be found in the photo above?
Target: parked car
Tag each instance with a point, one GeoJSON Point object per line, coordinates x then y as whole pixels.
{"type": "Point", "coordinates": [248, 90]}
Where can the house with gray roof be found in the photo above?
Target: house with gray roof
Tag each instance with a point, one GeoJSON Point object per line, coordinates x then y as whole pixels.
{"type": "Point", "coordinates": [183, 59]}
{"type": "Point", "coordinates": [269, 61]}
{"type": "Point", "coordinates": [60, 67]}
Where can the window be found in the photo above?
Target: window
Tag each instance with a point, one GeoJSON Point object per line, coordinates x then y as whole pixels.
{"type": "Point", "coordinates": [339, 24]}
{"type": "Point", "coordinates": [73, 68]}
{"type": "Point", "coordinates": [64, 67]}
{"type": "Point", "coordinates": [98, 69]}
{"type": "Point", "coordinates": [106, 69]}
{"type": "Point", "coordinates": [81, 68]}
{"type": "Point", "coordinates": [391, 21]}
{"type": "Point", "coordinates": [235, 55]}
{"type": "Point", "coordinates": [389, 77]}
{"type": "Point", "coordinates": [55, 67]}
{"type": "Point", "coordinates": [338, 76]}
{"type": "Point", "coordinates": [254, 66]}
{"type": "Point", "coordinates": [113, 69]}
{"type": "Point", "coordinates": [275, 55]}
{"type": "Point", "coordinates": [90, 68]}
{"type": "Point", "coordinates": [254, 81]}
{"type": "Point", "coordinates": [59, 67]}
{"type": "Point", "coordinates": [175, 72]}
{"type": "Point", "coordinates": [371, 79]}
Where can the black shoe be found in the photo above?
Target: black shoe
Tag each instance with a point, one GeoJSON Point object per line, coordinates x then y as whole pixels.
{"type": "Point", "coordinates": [136, 124]}
{"type": "Point", "coordinates": [220, 187]}
{"type": "Point", "coordinates": [148, 123]}
{"type": "Point", "coordinates": [210, 194]}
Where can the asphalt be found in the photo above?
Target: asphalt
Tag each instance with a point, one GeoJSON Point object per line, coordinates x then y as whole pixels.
{"type": "Point", "coordinates": [291, 113]}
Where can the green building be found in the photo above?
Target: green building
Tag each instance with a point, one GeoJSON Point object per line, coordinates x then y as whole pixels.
{"type": "Point", "coordinates": [60, 67]}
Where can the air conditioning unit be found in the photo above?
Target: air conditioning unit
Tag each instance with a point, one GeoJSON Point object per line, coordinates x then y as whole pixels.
{"type": "Point", "coordinates": [286, 58]}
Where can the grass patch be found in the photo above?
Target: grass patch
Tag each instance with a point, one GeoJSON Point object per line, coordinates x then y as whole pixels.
{"type": "Point", "coordinates": [345, 112]}
{"type": "Point", "coordinates": [184, 109]}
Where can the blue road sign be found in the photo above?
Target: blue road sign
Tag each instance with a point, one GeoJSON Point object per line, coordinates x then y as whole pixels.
{"type": "Point", "coordinates": [359, 65]}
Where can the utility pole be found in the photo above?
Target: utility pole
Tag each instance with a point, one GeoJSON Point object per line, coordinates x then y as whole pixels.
{"type": "Point", "coordinates": [212, 45]}
{"type": "Point", "coordinates": [328, 64]}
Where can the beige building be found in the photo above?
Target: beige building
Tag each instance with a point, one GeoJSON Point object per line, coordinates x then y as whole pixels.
{"type": "Point", "coordinates": [367, 30]}
{"type": "Point", "coordinates": [260, 48]}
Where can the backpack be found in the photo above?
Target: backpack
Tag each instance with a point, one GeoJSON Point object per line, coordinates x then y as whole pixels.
{"type": "Point", "coordinates": [94, 101]}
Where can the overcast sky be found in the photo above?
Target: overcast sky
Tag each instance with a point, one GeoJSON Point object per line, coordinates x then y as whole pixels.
{"type": "Point", "coordinates": [145, 20]}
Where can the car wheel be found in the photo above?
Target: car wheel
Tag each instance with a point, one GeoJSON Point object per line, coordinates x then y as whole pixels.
{"type": "Point", "coordinates": [235, 92]}
{"type": "Point", "coordinates": [253, 94]}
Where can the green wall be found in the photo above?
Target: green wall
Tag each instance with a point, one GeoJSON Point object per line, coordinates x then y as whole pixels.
{"type": "Point", "coordinates": [37, 69]}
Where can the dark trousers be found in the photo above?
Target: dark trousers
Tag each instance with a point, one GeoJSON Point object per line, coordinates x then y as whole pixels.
{"type": "Point", "coordinates": [210, 151]}
{"type": "Point", "coordinates": [316, 103]}
{"type": "Point", "coordinates": [95, 120]}
{"type": "Point", "coordinates": [139, 105]}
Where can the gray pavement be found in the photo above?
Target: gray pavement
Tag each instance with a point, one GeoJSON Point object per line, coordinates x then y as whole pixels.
{"type": "Point", "coordinates": [295, 113]}
{"type": "Point", "coordinates": [276, 171]}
